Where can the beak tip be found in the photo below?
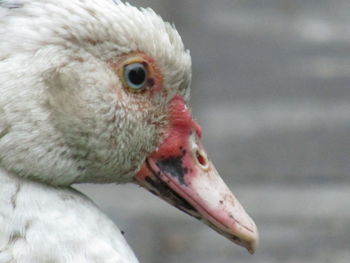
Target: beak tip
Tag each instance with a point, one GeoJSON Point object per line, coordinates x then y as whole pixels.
{"type": "Point", "coordinates": [251, 250]}
{"type": "Point", "coordinates": [252, 246]}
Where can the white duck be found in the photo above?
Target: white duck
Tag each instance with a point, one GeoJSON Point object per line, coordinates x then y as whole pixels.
{"type": "Point", "coordinates": [96, 91]}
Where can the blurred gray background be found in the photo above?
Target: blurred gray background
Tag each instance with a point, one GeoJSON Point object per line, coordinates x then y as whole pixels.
{"type": "Point", "coordinates": [271, 90]}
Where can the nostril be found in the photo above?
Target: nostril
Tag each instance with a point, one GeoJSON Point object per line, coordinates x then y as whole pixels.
{"type": "Point", "coordinates": [201, 159]}
{"type": "Point", "coordinates": [198, 153]}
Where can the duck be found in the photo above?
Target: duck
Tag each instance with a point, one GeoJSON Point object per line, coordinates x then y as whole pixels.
{"type": "Point", "coordinates": [97, 92]}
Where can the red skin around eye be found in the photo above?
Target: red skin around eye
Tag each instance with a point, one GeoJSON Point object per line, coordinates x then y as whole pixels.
{"type": "Point", "coordinates": [155, 80]}
{"type": "Point", "coordinates": [155, 77]}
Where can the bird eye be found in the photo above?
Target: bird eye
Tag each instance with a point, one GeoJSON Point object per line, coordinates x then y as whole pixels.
{"type": "Point", "coordinates": [135, 76]}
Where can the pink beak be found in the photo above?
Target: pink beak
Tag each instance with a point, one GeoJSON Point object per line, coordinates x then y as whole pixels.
{"type": "Point", "coordinates": [180, 173]}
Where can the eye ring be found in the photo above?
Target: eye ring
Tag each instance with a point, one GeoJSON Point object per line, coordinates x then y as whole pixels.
{"type": "Point", "coordinates": [135, 76]}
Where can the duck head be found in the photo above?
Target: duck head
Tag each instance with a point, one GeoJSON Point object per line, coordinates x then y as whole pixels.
{"type": "Point", "coordinates": [97, 91]}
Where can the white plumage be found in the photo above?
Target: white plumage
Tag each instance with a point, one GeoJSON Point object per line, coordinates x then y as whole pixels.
{"type": "Point", "coordinates": [66, 117]}
{"type": "Point", "coordinates": [45, 224]}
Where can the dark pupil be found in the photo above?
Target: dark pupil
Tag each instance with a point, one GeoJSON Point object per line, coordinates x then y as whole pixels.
{"type": "Point", "coordinates": [137, 74]}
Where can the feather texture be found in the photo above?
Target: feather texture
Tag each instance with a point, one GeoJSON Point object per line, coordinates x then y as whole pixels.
{"type": "Point", "coordinates": [45, 224]}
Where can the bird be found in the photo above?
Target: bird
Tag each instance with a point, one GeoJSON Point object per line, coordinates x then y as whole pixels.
{"type": "Point", "coordinates": [97, 92]}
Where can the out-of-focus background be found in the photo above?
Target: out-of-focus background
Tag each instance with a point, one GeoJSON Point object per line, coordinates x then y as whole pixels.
{"type": "Point", "coordinates": [271, 89]}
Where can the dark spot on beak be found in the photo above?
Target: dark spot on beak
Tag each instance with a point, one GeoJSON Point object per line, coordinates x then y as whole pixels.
{"type": "Point", "coordinates": [161, 189]}
{"type": "Point", "coordinates": [174, 167]}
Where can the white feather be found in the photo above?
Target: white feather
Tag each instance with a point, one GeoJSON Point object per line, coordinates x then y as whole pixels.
{"type": "Point", "coordinates": [41, 224]}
